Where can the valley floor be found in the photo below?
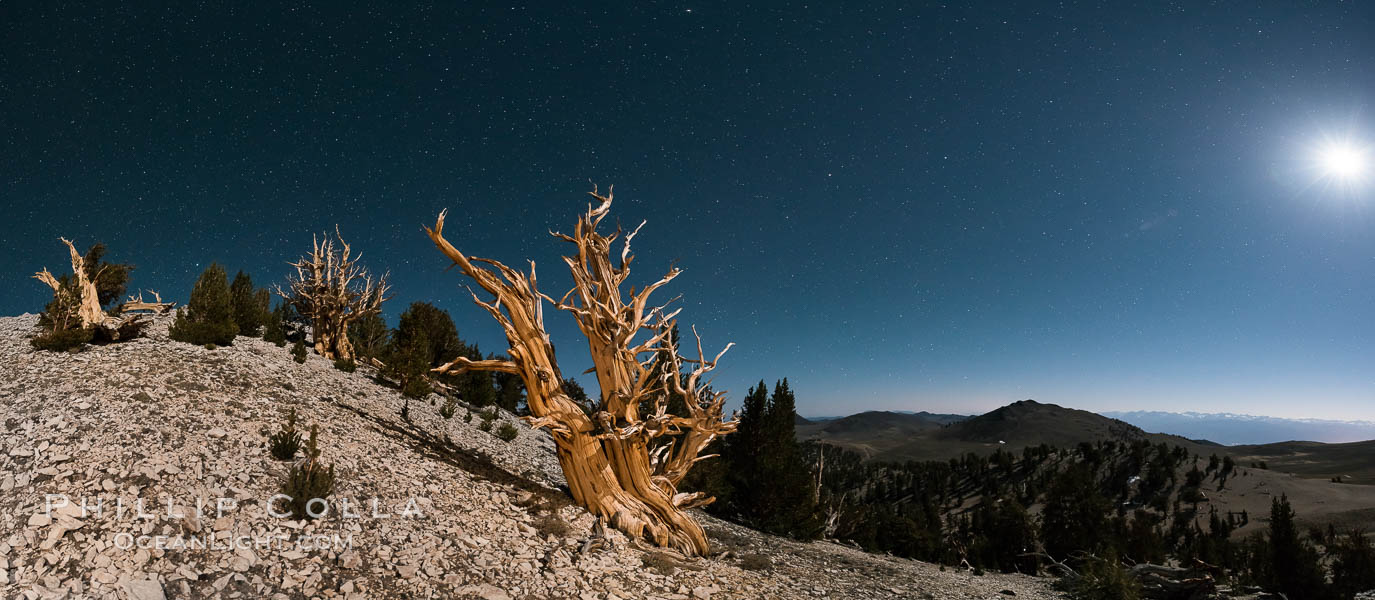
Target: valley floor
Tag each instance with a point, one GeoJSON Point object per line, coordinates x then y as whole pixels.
{"type": "Point", "coordinates": [175, 426]}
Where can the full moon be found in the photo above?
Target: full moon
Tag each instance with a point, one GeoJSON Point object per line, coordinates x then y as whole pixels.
{"type": "Point", "coordinates": [1343, 161]}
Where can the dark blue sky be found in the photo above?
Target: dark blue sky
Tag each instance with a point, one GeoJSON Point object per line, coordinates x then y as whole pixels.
{"type": "Point", "coordinates": [896, 207]}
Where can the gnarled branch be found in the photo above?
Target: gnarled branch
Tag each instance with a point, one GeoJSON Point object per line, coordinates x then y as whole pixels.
{"type": "Point", "coordinates": [157, 306]}
{"type": "Point", "coordinates": [86, 298]}
{"type": "Point", "coordinates": [332, 289]}
{"type": "Point", "coordinates": [604, 453]}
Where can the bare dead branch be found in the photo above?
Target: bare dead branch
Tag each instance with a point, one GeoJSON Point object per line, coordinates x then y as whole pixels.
{"type": "Point", "coordinates": [331, 289]}
{"type": "Point", "coordinates": [605, 455]}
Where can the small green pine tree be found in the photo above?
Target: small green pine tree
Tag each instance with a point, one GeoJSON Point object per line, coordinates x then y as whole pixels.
{"type": "Point", "coordinates": [308, 481]}
{"type": "Point", "coordinates": [60, 314]}
{"type": "Point", "coordinates": [1074, 513]}
{"type": "Point", "coordinates": [407, 362]}
{"type": "Point", "coordinates": [209, 317]}
{"type": "Point", "coordinates": [298, 351]}
{"type": "Point", "coordinates": [1295, 567]}
{"type": "Point", "coordinates": [274, 326]}
{"type": "Point", "coordinates": [429, 333]}
{"type": "Point", "coordinates": [369, 336]}
{"type": "Point", "coordinates": [1353, 568]}
{"type": "Point", "coordinates": [771, 484]}
{"type": "Point", "coordinates": [248, 304]}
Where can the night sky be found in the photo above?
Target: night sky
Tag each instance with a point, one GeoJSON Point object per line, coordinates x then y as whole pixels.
{"type": "Point", "coordinates": [896, 207]}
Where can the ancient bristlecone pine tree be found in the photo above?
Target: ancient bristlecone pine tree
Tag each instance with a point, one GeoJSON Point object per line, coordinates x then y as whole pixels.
{"type": "Point", "coordinates": [332, 290]}
{"type": "Point", "coordinates": [80, 302]}
{"type": "Point", "coordinates": [605, 449]}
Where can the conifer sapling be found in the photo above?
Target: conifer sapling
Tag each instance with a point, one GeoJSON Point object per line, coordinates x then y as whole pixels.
{"type": "Point", "coordinates": [209, 317]}
{"type": "Point", "coordinates": [286, 442]}
{"type": "Point", "coordinates": [308, 481]}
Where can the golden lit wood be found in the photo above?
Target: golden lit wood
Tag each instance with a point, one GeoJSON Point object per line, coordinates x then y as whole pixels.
{"type": "Point", "coordinates": [87, 301]}
{"type": "Point", "coordinates": [332, 290]}
{"type": "Point", "coordinates": [605, 453]}
{"type": "Point", "coordinates": [157, 306]}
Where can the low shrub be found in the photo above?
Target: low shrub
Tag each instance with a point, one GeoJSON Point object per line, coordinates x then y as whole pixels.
{"type": "Point", "coordinates": [450, 407]}
{"type": "Point", "coordinates": [63, 340]}
{"type": "Point", "coordinates": [1103, 579]}
{"type": "Point", "coordinates": [485, 426]}
{"type": "Point", "coordinates": [507, 432]}
{"type": "Point", "coordinates": [346, 365]}
{"type": "Point", "coordinates": [298, 352]}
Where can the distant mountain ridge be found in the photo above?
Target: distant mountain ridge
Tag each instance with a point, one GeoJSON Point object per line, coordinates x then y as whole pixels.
{"type": "Point", "coordinates": [941, 418]}
{"type": "Point", "coordinates": [872, 432]}
{"type": "Point", "coordinates": [902, 436]}
{"type": "Point", "coordinates": [1029, 422]}
{"type": "Point", "coordinates": [891, 420]}
{"type": "Point", "coordinates": [1238, 429]}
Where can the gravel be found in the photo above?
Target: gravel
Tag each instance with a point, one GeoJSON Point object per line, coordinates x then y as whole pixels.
{"type": "Point", "coordinates": [425, 508]}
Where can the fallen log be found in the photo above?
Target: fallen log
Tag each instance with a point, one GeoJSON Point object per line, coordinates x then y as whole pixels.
{"type": "Point", "coordinates": [1160, 582]}
{"type": "Point", "coordinates": [157, 306]}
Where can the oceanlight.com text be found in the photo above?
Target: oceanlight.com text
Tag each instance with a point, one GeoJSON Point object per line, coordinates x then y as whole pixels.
{"type": "Point", "coordinates": [209, 542]}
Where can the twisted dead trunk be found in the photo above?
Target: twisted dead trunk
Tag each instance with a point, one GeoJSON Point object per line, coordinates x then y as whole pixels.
{"type": "Point", "coordinates": [86, 302]}
{"type": "Point", "coordinates": [605, 454]}
{"type": "Point", "coordinates": [332, 290]}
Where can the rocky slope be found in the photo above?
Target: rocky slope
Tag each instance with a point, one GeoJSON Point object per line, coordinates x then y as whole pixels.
{"type": "Point", "coordinates": [435, 508]}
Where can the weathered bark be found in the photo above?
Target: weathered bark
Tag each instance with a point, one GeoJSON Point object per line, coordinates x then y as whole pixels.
{"type": "Point", "coordinates": [157, 306]}
{"type": "Point", "coordinates": [605, 456]}
{"type": "Point", "coordinates": [332, 290]}
{"type": "Point", "coordinates": [87, 302]}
